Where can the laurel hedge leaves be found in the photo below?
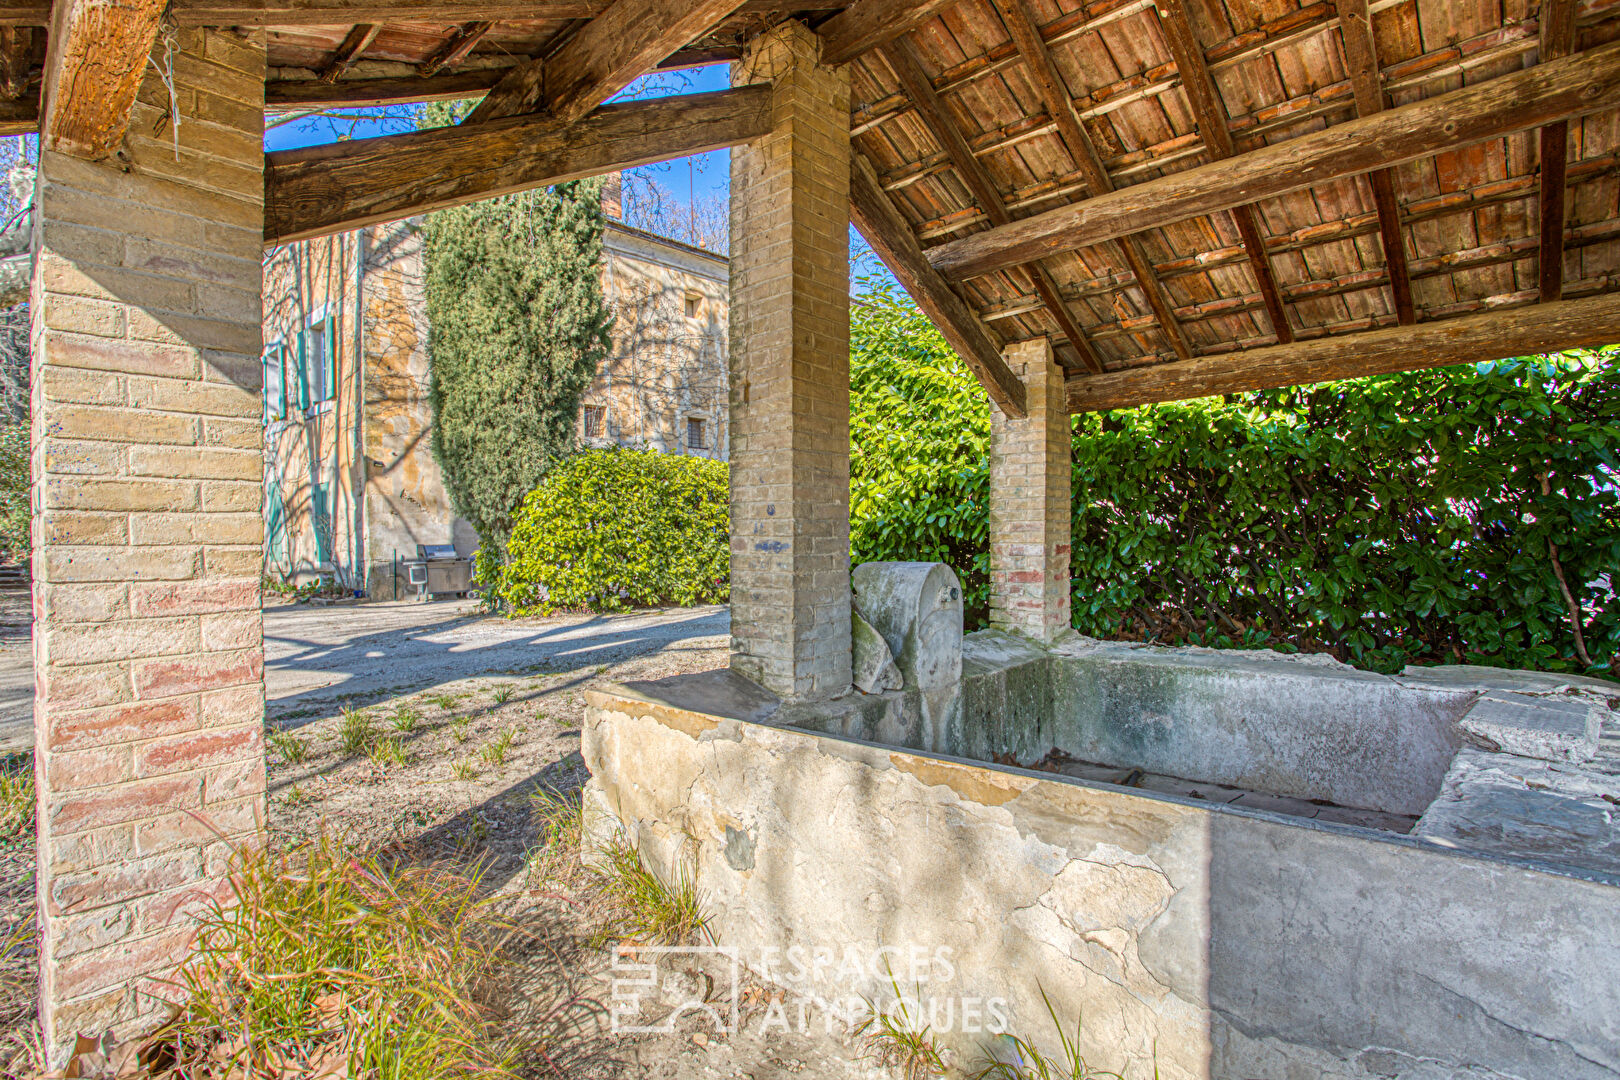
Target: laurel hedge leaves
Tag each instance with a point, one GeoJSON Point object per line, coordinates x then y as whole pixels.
{"type": "Point", "coordinates": [1388, 520]}
{"type": "Point", "coordinates": [611, 529]}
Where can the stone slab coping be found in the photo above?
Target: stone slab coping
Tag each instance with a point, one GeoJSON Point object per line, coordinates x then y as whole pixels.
{"type": "Point", "coordinates": [1544, 817]}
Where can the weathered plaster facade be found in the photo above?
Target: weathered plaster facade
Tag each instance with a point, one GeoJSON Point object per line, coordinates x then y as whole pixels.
{"type": "Point", "coordinates": [350, 479]}
{"type": "Point", "coordinates": [351, 482]}
{"type": "Point", "coordinates": [668, 366]}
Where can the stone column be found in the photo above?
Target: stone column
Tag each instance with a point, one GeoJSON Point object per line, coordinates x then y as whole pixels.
{"type": "Point", "coordinates": [1030, 517]}
{"type": "Point", "coordinates": [148, 476]}
{"type": "Point", "coordinates": [789, 358]}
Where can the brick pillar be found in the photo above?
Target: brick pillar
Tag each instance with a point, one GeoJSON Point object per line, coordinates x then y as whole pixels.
{"type": "Point", "coordinates": [789, 356]}
{"type": "Point", "coordinates": [1030, 518]}
{"type": "Point", "coordinates": [148, 474]}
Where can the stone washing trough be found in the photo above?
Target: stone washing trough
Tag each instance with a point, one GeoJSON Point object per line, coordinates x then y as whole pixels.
{"type": "Point", "coordinates": [1230, 864]}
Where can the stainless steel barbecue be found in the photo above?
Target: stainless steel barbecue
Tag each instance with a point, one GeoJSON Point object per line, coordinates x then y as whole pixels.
{"type": "Point", "coordinates": [438, 570]}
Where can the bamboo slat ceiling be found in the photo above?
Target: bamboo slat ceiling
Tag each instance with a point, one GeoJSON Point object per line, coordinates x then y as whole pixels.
{"type": "Point", "coordinates": [979, 114]}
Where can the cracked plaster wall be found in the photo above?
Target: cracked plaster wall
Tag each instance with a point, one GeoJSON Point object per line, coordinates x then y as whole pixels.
{"type": "Point", "coordinates": [1209, 942]}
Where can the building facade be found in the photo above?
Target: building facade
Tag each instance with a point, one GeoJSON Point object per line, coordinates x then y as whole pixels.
{"type": "Point", "coordinates": [351, 484]}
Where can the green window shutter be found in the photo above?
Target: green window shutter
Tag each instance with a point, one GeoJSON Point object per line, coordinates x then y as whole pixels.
{"type": "Point", "coordinates": [281, 380]}
{"type": "Point", "coordinates": [276, 528]}
{"type": "Point", "coordinates": [321, 520]}
{"type": "Point", "coordinates": [331, 358]}
{"type": "Point", "coordinates": [303, 375]}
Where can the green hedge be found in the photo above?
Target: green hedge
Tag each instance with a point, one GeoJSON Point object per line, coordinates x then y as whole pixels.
{"type": "Point", "coordinates": [1389, 520]}
{"type": "Point", "coordinates": [610, 529]}
{"type": "Point", "coordinates": [14, 497]}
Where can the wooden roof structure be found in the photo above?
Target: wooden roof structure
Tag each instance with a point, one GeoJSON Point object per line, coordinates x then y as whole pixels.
{"type": "Point", "coordinates": [1187, 196]}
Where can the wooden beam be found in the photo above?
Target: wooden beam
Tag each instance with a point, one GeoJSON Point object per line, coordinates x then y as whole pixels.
{"type": "Point", "coordinates": [19, 117]}
{"type": "Point", "coordinates": [330, 188]}
{"type": "Point", "coordinates": [1188, 54]}
{"type": "Point", "coordinates": [351, 12]}
{"type": "Point", "coordinates": [878, 220]}
{"type": "Point", "coordinates": [867, 24]}
{"type": "Point", "coordinates": [1585, 83]}
{"type": "Point", "coordinates": [1557, 41]}
{"type": "Point", "coordinates": [289, 94]}
{"type": "Point", "coordinates": [1060, 106]}
{"type": "Point", "coordinates": [902, 56]}
{"type": "Point", "coordinates": [518, 92]}
{"type": "Point", "coordinates": [357, 41]}
{"type": "Point", "coordinates": [619, 45]}
{"type": "Point", "coordinates": [1538, 328]}
{"type": "Point", "coordinates": [16, 54]}
{"type": "Point", "coordinates": [95, 63]}
{"type": "Point", "coordinates": [1361, 61]}
{"type": "Point", "coordinates": [455, 47]}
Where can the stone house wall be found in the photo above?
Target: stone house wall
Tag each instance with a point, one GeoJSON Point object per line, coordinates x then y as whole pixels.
{"type": "Point", "coordinates": [351, 482]}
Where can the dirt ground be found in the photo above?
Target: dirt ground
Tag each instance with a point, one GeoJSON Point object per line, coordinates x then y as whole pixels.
{"type": "Point", "coordinates": [483, 712]}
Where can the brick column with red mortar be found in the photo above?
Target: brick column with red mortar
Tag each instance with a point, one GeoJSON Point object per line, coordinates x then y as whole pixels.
{"type": "Point", "coordinates": [789, 356]}
{"type": "Point", "coordinates": [148, 474]}
{"type": "Point", "coordinates": [1030, 517]}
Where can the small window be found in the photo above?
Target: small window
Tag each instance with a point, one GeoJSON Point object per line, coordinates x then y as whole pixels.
{"type": "Point", "coordinates": [593, 421]}
{"type": "Point", "coordinates": [694, 305]}
{"type": "Point", "coordinates": [320, 361]}
{"type": "Point", "coordinates": [694, 434]}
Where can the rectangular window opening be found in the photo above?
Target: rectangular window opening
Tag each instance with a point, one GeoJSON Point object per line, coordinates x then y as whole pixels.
{"type": "Point", "coordinates": [593, 421]}
{"type": "Point", "coordinates": [694, 434]}
{"type": "Point", "coordinates": [694, 305]}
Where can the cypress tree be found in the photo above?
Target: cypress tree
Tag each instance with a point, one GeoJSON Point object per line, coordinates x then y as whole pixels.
{"type": "Point", "coordinates": [518, 328]}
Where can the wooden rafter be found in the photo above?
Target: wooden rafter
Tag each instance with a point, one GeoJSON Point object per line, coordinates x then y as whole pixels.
{"type": "Point", "coordinates": [1564, 324]}
{"type": "Point", "coordinates": [622, 43]}
{"type": "Point", "coordinates": [310, 93]}
{"type": "Point", "coordinates": [1060, 106]}
{"type": "Point", "coordinates": [16, 48]}
{"type": "Point", "coordinates": [455, 47]}
{"type": "Point", "coordinates": [518, 92]}
{"type": "Point", "coordinates": [881, 223]}
{"type": "Point", "coordinates": [1182, 40]}
{"type": "Point", "coordinates": [355, 42]}
{"type": "Point", "coordinates": [319, 190]}
{"type": "Point", "coordinates": [902, 57]}
{"type": "Point", "coordinates": [1361, 60]}
{"type": "Point", "coordinates": [1557, 41]}
{"type": "Point", "coordinates": [1573, 86]}
{"type": "Point", "coordinates": [96, 59]}
{"type": "Point", "coordinates": [867, 24]}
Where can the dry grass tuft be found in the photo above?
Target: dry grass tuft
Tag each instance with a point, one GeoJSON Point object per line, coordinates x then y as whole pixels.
{"type": "Point", "coordinates": [16, 795]}
{"type": "Point", "coordinates": [643, 908]}
{"type": "Point", "coordinates": [1028, 1063]}
{"type": "Point", "coordinates": [329, 964]}
{"type": "Point", "coordinates": [898, 1040]}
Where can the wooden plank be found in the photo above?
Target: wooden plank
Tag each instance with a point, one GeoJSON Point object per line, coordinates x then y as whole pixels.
{"type": "Point", "coordinates": [1031, 46]}
{"type": "Point", "coordinates": [1188, 54]}
{"type": "Point", "coordinates": [16, 49]}
{"type": "Point", "coordinates": [1361, 61]}
{"type": "Point", "coordinates": [1565, 324]}
{"type": "Point", "coordinates": [867, 24]}
{"type": "Point", "coordinates": [902, 56]}
{"type": "Point", "coordinates": [97, 58]}
{"type": "Point", "coordinates": [356, 42]}
{"type": "Point", "coordinates": [455, 48]}
{"type": "Point", "coordinates": [351, 12]}
{"type": "Point", "coordinates": [318, 190]}
{"type": "Point", "coordinates": [1574, 86]}
{"type": "Point", "coordinates": [308, 93]}
{"type": "Point", "coordinates": [880, 222]}
{"type": "Point", "coordinates": [622, 43]}
{"type": "Point", "coordinates": [1557, 41]}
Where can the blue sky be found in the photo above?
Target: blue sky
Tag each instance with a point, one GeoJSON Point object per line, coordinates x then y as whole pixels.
{"type": "Point", "coordinates": [705, 173]}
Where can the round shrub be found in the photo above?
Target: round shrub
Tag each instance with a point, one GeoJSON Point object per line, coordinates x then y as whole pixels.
{"type": "Point", "coordinates": [611, 529]}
